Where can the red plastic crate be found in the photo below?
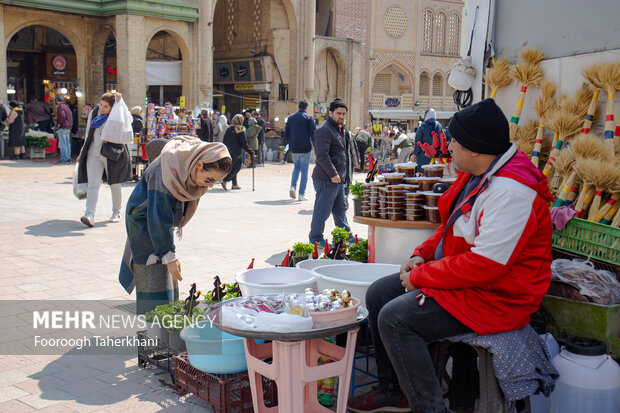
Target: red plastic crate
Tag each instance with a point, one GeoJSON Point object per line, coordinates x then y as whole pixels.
{"type": "Point", "coordinates": [226, 393]}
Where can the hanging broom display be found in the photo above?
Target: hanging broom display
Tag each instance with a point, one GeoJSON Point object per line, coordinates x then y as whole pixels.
{"type": "Point", "coordinates": [592, 75]}
{"type": "Point", "coordinates": [565, 123]}
{"type": "Point", "coordinates": [603, 175]}
{"type": "Point", "coordinates": [543, 107]}
{"type": "Point", "coordinates": [498, 76]}
{"type": "Point", "coordinates": [527, 73]}
{"type": "Point", "coordinates": [525, 139]}
{"type": "Point", "coordinates": [610, 80]}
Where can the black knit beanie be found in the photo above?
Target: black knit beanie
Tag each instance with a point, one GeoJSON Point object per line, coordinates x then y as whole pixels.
{"type": "Point", "coordinates": [337, 103]}
{"type": "Point", "coordinates": [481, 128]}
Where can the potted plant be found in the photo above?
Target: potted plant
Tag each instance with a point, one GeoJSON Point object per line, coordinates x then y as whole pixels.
{"type": "Point", "coordinates": [36, 143]}
{"type": "Point", "coordinates": [357, 192]}
{"type": "Point", "coordinates": [359, 252]}
{"type": "Point", "coordinates": [339, 233]}
{"type": "Point", "coordinates": [301, 252]}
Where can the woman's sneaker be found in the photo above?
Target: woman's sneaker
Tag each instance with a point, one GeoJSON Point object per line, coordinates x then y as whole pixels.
{"type": "Point", "coordinates": [88, 220]}
{"type": "Point", "coordinates": [378, 401]}
{"type": "Point", "coordinates": [116, 217]}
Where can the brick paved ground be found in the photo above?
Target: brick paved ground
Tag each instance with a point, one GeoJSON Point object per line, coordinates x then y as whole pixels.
{"type": "Point", "coordinates": [48, 254]}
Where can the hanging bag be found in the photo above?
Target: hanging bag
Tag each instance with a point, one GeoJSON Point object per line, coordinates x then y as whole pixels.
{"type": "Point", "coordinates": [79, 190]}
{"type": "Point", "coordinates": [117, 128]}
{"type": "Point", "coordinates": [112, 151]}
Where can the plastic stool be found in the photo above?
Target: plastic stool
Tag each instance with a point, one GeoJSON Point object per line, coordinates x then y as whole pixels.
{"type": "Point", "coordinates": [294, 369]}
{"type": "Point", "coordinates": [491, 399]}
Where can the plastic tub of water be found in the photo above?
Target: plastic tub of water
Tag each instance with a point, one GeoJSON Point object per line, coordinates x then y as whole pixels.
{"type": "Point", "coordinates": [212, 350]}
{"type": "Point", "coordinates": [275, 280]}
{"type": "Point", "coordinates": [312, 264]}
{"type": "Point", "coordinates": [355, 278]}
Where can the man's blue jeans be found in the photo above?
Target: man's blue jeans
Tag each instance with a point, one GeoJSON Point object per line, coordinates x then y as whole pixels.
{"type": "Point", "coordinates": [302, 162]}
{"type": "Point", "coordinates": [64, 143]}
{"type": "Point", "coordinates": [329, 200]}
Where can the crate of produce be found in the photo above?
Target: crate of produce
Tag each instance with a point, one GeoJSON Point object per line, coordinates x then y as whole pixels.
{"type": "Point", "coordinates": [226, 393]}
{"type": "Point", "coordinates": [589, 239]}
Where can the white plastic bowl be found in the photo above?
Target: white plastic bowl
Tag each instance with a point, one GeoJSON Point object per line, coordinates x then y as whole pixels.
{"type": "Point", "coordinates": [355, 278]}
{"type": "Point", "coordinates": [274, 280]}
{"type": "Point", "coordinates": [312, 264]}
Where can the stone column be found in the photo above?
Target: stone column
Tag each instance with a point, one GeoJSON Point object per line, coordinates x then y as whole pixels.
{"type": "Point", "coordinates": [131, 58]}
{"type": "Point", "coordinates": [3, 66]}
{"type": "Point", "coordinates": [307, 56]}
{"type": "Point", "coordinates": [205, 45]}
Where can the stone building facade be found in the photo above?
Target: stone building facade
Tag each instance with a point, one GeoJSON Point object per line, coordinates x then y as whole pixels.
{"type": "Point", "coordinates": [234, 53]}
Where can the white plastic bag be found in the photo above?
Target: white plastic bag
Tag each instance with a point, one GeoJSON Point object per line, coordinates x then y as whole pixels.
{"type": "Point", "coordinates": [79, 190]}
{"type": "Point", "coordinates": [117, 128]}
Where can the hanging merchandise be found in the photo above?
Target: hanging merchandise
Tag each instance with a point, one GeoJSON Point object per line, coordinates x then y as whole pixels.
{"type": "Point", "coordinates": [609, 77]}
{"type": "Point", "coordinates": [528, 73]}
{"type": "Point", "coordinates": [117, 128]}
{"type": "Point", "coordinates": [543, 107]}
{"type": "Point", "coordinates": [498, 76]}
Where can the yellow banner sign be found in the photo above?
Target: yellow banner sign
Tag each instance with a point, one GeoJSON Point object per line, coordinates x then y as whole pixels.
{"type": "Point", "coordinates": [182, 102]}
{"type": "Point", "coordinates": [244, 86]}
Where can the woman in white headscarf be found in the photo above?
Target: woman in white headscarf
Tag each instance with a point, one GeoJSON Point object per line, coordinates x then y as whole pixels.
{"type": "Point", "coordinates": [166, 198]}
{"type": "Point", "coordinates": [219, 130]}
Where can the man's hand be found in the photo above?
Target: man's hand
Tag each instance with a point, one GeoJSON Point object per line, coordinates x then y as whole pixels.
{"type": "Point", "coordinates": [404, 280]}
{"type": "Point", "coordinates": [77, 159]}
{"type": "Point", "coordinates": [175, 269]}
{"type": "Point", "coordinates": [336, 179]}
{"type": "Point", "coordinates": [406, 268]}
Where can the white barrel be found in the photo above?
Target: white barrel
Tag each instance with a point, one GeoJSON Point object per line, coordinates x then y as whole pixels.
{"type": "Point", "coordinates": [538, 402]}
{"type": "Point", "coordinates": [312, 264]}
{"type": "Point", "coordinates": [274, 280]}
{"type": "Point", "coordinates": [355, 278]}
{"type": "Point", "coordinates": [589, 379]}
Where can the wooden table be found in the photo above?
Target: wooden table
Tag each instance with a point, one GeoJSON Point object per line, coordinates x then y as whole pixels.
{"type": "Point", "coordinates": [393, 242]}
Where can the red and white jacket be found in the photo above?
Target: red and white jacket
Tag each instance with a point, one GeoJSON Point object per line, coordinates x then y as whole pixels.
{"type": "Point", "coordinates": [497, 253]}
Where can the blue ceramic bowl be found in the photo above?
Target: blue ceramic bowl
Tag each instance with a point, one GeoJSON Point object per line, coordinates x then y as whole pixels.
{"type": "Point", "coordinates": [212, 350]}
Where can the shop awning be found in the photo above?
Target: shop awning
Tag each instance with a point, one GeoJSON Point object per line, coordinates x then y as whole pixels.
{"type": "Point", "coordinates": [396, 114]}
{"type": "Point", "coordinates": [164, 73]}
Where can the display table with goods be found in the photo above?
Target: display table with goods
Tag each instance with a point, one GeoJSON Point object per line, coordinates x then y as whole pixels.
{"type": "Point", "coordinates": [401, 210]}
{"type": "Point", "coordinates": [301, 358]}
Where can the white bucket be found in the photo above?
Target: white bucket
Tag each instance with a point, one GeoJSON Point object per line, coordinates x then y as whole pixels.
{"type": "Point", "coordinates": [274, 280]}
{"type": "Point", "coordinates": [355, 278]}
{"type": "Point", "coordinates": [312, 264]}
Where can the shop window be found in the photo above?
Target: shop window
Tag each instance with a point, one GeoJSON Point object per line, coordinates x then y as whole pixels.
{"type": "Point", "coordinates": [425, 84]}
{"type": "Point", "coordinates": [454, 34]}
{"type": "Point", "coordinates": [428, 32]}
{"type": "Point", "coordinates": [437, 84]}
{"type": "Point", "coordinates": [440, 33]}
{"type": "Point", "coordinates": [283, 92]}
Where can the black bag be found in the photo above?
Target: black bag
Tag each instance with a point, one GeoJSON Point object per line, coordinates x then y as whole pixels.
{"type": "Point", "coordinates": [112, 151]}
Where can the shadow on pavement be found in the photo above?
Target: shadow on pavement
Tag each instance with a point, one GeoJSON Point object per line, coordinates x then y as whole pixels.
{"type": "Point", "coordinates": [305, 212]}
{"type": "Point", "coordinates": [57, 228]}
{"type": "Point", "coordinates": [276, 259]}
{"type": "Point", "coordinates": [278, 202]}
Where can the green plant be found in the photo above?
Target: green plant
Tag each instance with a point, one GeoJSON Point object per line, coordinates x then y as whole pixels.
{"type": "Point", "coordinates": [173, 317]}
{"type": "Point", "coordinates": [339, 233]}
{"type": "Point", "coordinates": [356, 190]}
{"type": "Point", "coordinates": [301, 249]}
{"type": "Point", "coordinates": [36, 141]}
{"type": "Point", "coordinates": [231, 290]}
{"type": "Point", "coordinates": [359, 251]}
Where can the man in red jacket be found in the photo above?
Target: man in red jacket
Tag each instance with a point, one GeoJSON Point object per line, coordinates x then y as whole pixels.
{"type": "Point", "coordinates": [485, 269]}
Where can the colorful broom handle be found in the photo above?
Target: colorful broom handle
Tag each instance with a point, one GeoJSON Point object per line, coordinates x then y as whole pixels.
{"type": "Point", "coordinates": [554, 153]}
{"type": "Point", "coordinates": [610, 215]}
{"type": "Point", "coordinates": [609, 123]}
{"type": "Point", "coordinates": [555, 139]}
{"type": "Point", "coordinates": [587, 123]}
{"type": "Point", "coordinates": [596, 203]}
{"type": "Point", "coordinates": [516, 115]}
{"type": "Point", "coordinates": [616, 221]}
{"type": "Point", "coordinates": [568, 185]}
{"type": "Point", "coordinates": [538, 144]}
{"type": "Point", "coordinates": [585, 197]}
{"type": "Point", "coordinates": [493, 93]}
{"type": "Point", "coordinates": [602, 213]}
{"type": "Point", "coordinates": [574, 191]}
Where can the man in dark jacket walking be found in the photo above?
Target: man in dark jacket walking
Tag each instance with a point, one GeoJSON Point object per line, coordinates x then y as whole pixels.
{"type": "Point", "coordinates": [205, 133]}
{"type": "Point", "coordinates": [261, 137]}
{"type": "Point", "coordinates": [298, 134]}
{"type": "Point", "coordinates": [64, 122]}
{"type": "Point", "coordinates": [330, 173]}
{"type": "Point", "coordinates": [424, 136]}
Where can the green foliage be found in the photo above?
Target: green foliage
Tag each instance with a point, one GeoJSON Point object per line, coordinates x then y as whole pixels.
{"type": "Point", "coordinates": [340, 233]}
{"type": "Point", "coordinates": [359, 251]}
{"type": "Point", "coordinates": [356, 190]}
{"type": "Point", "coordinates": [172, 316]}
{"type": "Point", "coordinates": [230, 291]}
{"type": "Point", "coordinates": [301, 249]}
{"type": "Point", "coordinates": [37, 141]}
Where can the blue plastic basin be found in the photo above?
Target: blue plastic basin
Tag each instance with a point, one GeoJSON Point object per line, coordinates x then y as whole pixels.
{"type": "Point", "coordinates": [212, 350]}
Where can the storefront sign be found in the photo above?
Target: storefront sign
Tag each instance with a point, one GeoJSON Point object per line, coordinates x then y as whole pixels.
{"type": "Point", "coordinates": [392, 102]}
{"type": "Point", "coordinates": [59, 63]}
{"type": "Point", "coordinates": [242, 71]}
{"type": "Point", "coordinates": [223, 72]}
{"type": "Point", "coordinates": [244, 86]}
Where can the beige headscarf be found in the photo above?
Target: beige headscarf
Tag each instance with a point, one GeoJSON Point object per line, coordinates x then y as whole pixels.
{"type": "Point", "coordinates": [178, 168]}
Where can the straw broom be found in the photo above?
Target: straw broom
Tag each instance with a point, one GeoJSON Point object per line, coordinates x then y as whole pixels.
{"type": "Point", "coordinates": [604, 177]}
{"type": "Point", "coordinates": [566, 123]}
{"type": "Point", "coordinates": [498, 76]}
{"type": "Point", "coordinates": [586, 171]}
{"type": "Point", "coordinates": [543, 106]}
{"type": "Point", "coordinates": [525, 139]}
{"type": "Point", "coordinates": [564, 166]}
{"type": "Point", "coordinates": [592, 75]}
{"type": "Point", "coordinates": [527, 74]}
{"type": "Point", "coordinates": [610, 79]}
{"type": "Point", "coordinates": [609, 209]}
{"type": "Point", "coordinates": [585, 147]}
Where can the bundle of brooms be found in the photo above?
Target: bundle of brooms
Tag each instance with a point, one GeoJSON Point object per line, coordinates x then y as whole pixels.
{"type": "Point", "coordinates": [498, 76]}
{"type": "Point", "coordinates": [528, 73]}
{"type": "Point", "coordinates": [543, 107]}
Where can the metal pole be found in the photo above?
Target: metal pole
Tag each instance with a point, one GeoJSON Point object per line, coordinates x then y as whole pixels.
{"type": "Point", "coordinates": [253, 166]}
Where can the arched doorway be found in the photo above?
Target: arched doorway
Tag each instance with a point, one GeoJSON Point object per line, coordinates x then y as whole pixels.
{"type": "Point", "coordinates": [392, 87]}
{"type": "Point", "coordinates": [41, 63]}
{"type": "Point", "coordinates": [164, 69]}
{"type": "Point", "coordinates": [110, 69]}
{"type": "Point", "coordinates": [328, 77]}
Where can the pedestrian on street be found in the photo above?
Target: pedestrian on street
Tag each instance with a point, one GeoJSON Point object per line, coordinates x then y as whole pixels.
{"type": "Point", "coordinates": [38, 112]}
{"type": "Point", "coordinates": [401, 146]}
{"type": "Point", "coordinates": [485, 270]}
{"type": "Point", "coordinates": [166, 197]}
{"type": "Point", "coordinates": [330, 173]}
{"type": "Point", "coordinates": [205, 133]}
{"type": "Point", "coordinates": [252, 133]}
{"type": "Point", "coordinates": [17, 131]}
{"type": "Point", "coordinates": [298, 134]}
{"type": "Point", "coordinates": [424, 135]}
{"type": "Point", "coordinates": [362, 140]}
{"type": "Point", "coordinates": [261, 137]}
{"type": "Point", "coordinates": [93, 163]}
{"type": "Point", "coordinates": [64, 123]}
{"type": "Point", "coordinates": [236, 142]}
{"type": "Point", "coordinates": [220, 127]}
{"type": "Point", "coordinates": [136, 114]}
